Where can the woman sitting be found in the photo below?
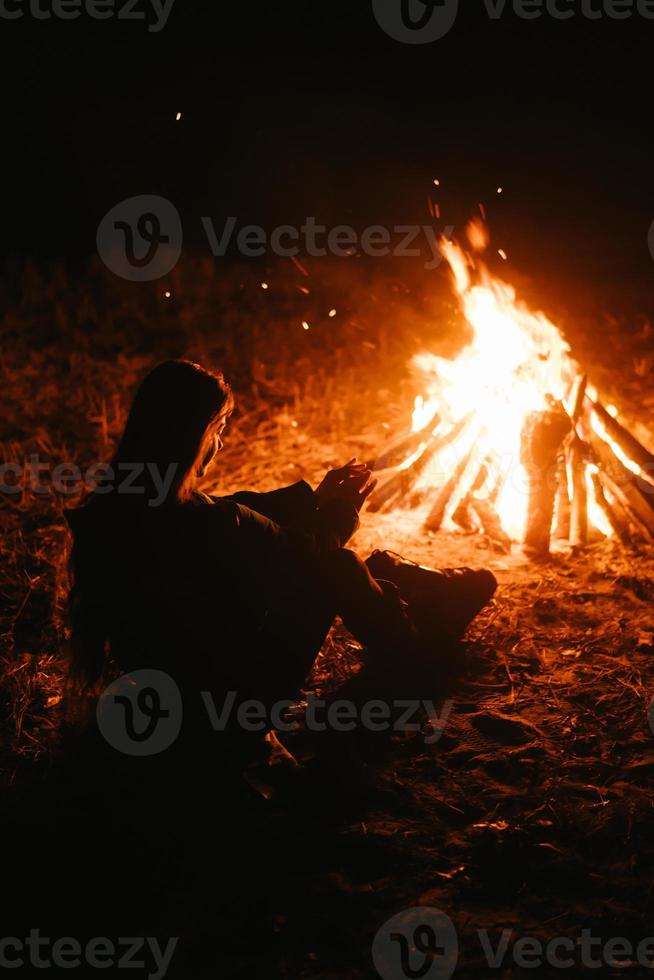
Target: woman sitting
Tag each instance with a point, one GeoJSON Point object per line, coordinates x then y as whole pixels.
{"type": "Point", "coordinates": [238, 593]}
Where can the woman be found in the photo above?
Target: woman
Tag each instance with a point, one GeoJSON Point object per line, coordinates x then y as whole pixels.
{"type": "Point", "coordinates": [232, 593]}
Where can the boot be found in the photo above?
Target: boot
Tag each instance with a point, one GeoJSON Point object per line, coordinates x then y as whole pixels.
{"type": "Point", "coordinates": [441, 603]}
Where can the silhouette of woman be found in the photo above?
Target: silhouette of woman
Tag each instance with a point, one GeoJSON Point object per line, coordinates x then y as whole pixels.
{"type": "Point", "coordinates": [225, 593]}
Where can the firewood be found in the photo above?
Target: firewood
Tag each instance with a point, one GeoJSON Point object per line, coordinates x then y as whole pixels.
{"type": "Point", "coordinates": [463, 517]}
{"type": "Point", "coordinates": [490, 522]}
{"type": "Point", "coordinates": [623, 483]}
{"type": "Point", "coordinates": [562, 510]}
{"type": "Point", "coordinates": [629, 445]}
{"type": "Point", "coordinates": [400, 449]}
{"type": "Point", "coordinates": [401, 482]}
{"type": "Point", "coordinates": [542, 435]}
{"type": "Point", "coordinates": [619, 525]}
{"type": "Point", "coordinates": [577, 397]}
{"type": "Point", "coordinates": [579, 508]}
{"type": "Point", "coordinates": [463, 513]}
{"type": "Point", "coordinates": [446, 492]}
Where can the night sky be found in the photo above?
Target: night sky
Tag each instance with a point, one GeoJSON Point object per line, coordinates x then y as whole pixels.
{"type": "Point", "coordinates": [295, 109]}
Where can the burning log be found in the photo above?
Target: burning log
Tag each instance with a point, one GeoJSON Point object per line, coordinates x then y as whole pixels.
{"type": "Point", "coordinates": [461, 515]}
{"type": "Point", "coordinates": [401, 482]}
{"type": "Point", "coordinates": [401, 449]}
{"type": "Point", "coordinates": [618, 523]}
{"type": "Point", "coordinates": [623, 485]}
{"type": "Point", "coordinates": [490, 522]}
{"type": "Point", "coordinates": [579, 508]}
{"type": "Point", "coordinates": [447, 492]}
{"type": "Point", "coordinates": [478, 511]}
{"type": "Point", "coordinates": [629, 445]}
{"type": "Point", "coordinates": [542, 435]}
{"type": "Point", "coordinates": [562, 509]}
{"type": "Point", "coordinates": [577, 397]}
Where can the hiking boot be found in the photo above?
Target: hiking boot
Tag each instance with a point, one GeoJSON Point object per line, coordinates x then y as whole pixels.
{"type": "Point", "coordinates": [441, 602]}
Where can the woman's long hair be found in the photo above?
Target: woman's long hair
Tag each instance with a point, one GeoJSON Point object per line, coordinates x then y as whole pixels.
{"type": "Point", "coordinates": [174, 412]}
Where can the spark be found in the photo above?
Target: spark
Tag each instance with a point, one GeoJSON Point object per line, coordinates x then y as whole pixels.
{"type": "Point", "coordinates": [332, 312]}
{"type": "Point", "coordinates": [167, 294]}
{"type": "Point", "coordinates": [437, 182]}
{"type": "Point", "coordinates": [264, 285]}
{"type": "Point", "coordinates": [305, 325]}
{"type": "Point", "coordinates": [178, 117]}
{"type": "Point", "coordinates": [502, 254]}
{"type": "Point", "coordinates": [500, 190]}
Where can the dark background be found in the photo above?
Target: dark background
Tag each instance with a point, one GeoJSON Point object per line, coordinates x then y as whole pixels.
{"type": "Point", "coordinates": [295, 109]}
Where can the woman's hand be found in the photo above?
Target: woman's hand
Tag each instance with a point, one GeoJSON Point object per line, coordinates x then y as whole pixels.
{"type": "Point", "coordinates": [352, 483]}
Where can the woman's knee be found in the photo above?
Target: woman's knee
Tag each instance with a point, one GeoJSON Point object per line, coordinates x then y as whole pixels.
{"type": "Point", "coordinates": [346, 571]}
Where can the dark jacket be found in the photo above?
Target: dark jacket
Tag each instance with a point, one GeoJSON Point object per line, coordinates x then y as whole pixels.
{"type": "Point", "coordinates": [202, 587]}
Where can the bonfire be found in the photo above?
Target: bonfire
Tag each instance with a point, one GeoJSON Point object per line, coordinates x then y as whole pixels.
{"type": "Point", "coordinates": [510, 439]}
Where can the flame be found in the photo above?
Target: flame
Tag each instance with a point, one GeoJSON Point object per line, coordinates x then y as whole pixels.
{"type": "Point", "coordinates": [424, 410]}
{"type": "Point", "coordinates": [516, 363]}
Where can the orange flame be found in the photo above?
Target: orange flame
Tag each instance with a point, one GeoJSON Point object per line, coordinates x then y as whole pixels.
{"type": "Point", "coordinates": [516, 363]}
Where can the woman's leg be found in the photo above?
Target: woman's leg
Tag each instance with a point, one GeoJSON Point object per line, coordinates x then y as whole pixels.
{"type": "Point", "coordinates": [340, 584]}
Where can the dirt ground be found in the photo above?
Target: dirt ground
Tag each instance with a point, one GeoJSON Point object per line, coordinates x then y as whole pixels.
{"type": "Point", "coordinates": [532, 812]}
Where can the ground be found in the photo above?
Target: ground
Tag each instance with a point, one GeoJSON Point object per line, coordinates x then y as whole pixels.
{"type": "Point", "coordinates": [533, 810]}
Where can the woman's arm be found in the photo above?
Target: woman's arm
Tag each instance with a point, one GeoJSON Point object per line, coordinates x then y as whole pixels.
{"type": "Point", "coordinates": [283, 506]}
{"type": "Point", "coordinates": [327, 521]}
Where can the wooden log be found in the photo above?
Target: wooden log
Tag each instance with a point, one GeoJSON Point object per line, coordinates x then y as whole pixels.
{"type": "Point", "coordinates": [577, 397]}
{"type": "Point", "coordinates": [446, 492]}
{"type": "Point", "coordinates": [562, 508]}
{"type": "Point", "coordinates": [490, 522]}
{"type": "Point", "coordinates": [617, 522]}
{"type": "Point", "coordinates": [400, 449]}
{"type": "Point", "coordinates": [579, 506]}
{"type": "Point", "coordinates": [630, 446]}
{"type": "Point", "coordinates": [541, 439]}
{"type": "Point", "coordinates": [401, 482]}
{"type": "Point", "coordinates": [622, 483]}
{"type": "Point", "coordinates": [462, 514]}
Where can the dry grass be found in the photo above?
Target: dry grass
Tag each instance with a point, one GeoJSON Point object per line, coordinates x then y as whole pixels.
{"type": "Point", "coordinates": [73, 350]}
{"type": "Point", "coordinates": [533, 811]}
